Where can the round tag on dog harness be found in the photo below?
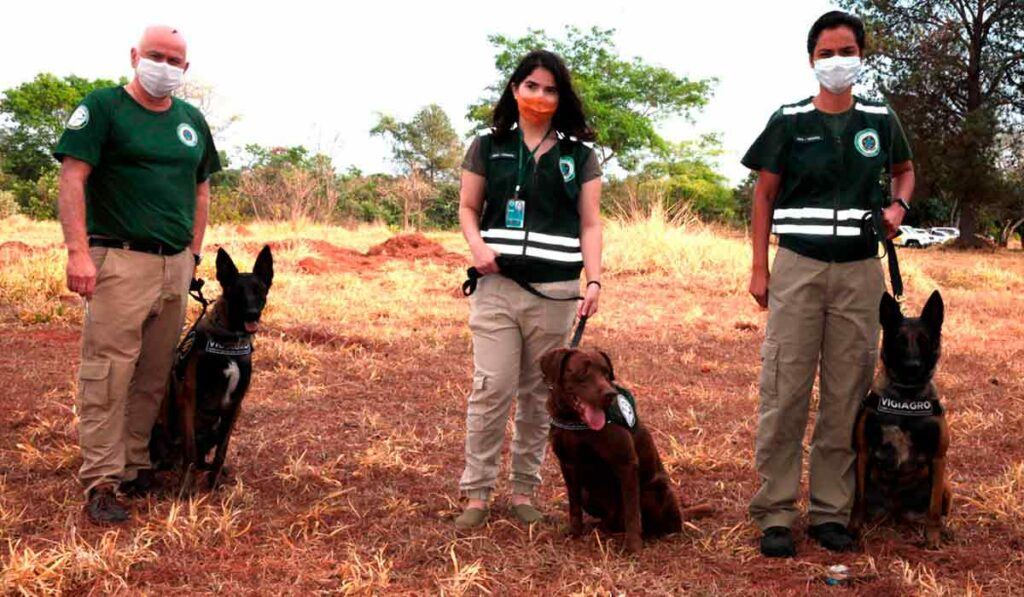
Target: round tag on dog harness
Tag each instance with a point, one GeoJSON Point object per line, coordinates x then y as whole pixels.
{"type": "Point", "coordinates": [627, 410]}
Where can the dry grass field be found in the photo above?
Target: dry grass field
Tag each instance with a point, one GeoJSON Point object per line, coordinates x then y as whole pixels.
{"type": "Point", "coordinates": [347, 455]}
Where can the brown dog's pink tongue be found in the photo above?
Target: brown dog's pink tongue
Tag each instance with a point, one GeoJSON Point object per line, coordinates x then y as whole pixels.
{"type": "Point", "coordinates": [593, 417]}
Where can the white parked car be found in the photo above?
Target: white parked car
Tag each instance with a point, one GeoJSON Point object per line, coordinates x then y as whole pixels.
{"type": "Point", "coordinates": [915, 238]}
{"type": "Point", "coordinates": [947, 234]}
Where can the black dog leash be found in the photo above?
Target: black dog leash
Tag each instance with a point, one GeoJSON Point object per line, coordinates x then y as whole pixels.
{"type": "Point", "coordinates": [472, 275]}
{"type": "Point", "coordinates": [195, 290]}
{"type": "Point", "coordinates": [508, 269]}
{"type": "Point", "coordinates": [895, 278]}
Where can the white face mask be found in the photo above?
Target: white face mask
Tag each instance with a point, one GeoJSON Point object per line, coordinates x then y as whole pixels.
{"type": "Point", "coordinates": [159, 79]}
{"type": "Point", "coordinates": [838, 73]}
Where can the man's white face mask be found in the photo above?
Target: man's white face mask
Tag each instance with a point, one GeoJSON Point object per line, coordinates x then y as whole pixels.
{"type": "Point", "coordinates": [159, 79]}
{"type": "Point", "coordinates": [838, 73]}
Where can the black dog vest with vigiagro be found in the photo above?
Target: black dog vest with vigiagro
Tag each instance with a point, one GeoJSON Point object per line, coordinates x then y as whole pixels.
{"type": "Point", "coordinates": [901, 407]}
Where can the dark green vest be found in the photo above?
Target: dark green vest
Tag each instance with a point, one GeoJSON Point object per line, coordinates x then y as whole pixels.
{"type": "Point", "coordinates": [547, 246]}
{"type": "Point", "coordinates": [831, 180]}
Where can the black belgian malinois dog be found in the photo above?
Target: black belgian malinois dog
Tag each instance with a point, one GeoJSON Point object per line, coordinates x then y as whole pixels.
{"type": "Point", "coordinates": [901, 435]}
{"type": "Point", "coordinates": [211, 374]}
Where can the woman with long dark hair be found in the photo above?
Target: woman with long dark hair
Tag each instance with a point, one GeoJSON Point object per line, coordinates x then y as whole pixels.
{"type": "Point", "coordinates": [530, 194]}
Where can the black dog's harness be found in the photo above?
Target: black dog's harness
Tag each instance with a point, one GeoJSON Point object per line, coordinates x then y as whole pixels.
{"type": "Point", "coordinates": [901, 407]}
{"type": "Point", "coordinates": [231, 344]}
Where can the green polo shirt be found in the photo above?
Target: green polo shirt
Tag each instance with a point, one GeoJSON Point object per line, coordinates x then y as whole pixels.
{"type": "Point", "coordinates": [831, 169]}
{"type": "Point", "coordinates": [145, 166]}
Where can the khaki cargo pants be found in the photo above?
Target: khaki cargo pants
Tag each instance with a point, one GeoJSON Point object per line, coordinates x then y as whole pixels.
{"type": "Point", "coordinates": [132, 326]}
{"type": "Point", "coordinates": [511, 330]}
{"type": "Point", "coordinates": [817, 311]}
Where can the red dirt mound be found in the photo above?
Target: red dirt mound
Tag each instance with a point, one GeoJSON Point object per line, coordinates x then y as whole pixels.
{"type": "Point", "coordinates": [13, 250]}
{"type": "Point", "coordinates": [333, 259]}
{"type": "Point", "coordinates": [414, 246]}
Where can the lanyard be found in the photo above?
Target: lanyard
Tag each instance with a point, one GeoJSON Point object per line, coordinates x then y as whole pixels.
{"type": "Point", "coordinates": [523, 166]}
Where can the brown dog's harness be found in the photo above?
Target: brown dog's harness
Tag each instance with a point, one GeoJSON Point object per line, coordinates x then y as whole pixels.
{"type": "Point", "coordinates": [621, 412]}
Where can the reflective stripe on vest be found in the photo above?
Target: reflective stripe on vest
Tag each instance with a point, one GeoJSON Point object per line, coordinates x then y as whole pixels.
{"type": "Point", "coordinates": [550, 247]}
{"type": "Point", "coordinates": [818, 221]}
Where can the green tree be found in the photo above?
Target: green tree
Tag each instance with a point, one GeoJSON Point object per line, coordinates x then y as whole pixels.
{"type": "Point", "coordinates": [687, 176]}
{"type": "Point", "coordinates": [34, 114]}
{"type": "Point", "coordinates": [624, 99]}
{"type": "Point", "coordinates": [288, 183]}
{"type": "Point", "coordinates": [427, 144]}
{"type": "Point", "coordinates": [953, 70]}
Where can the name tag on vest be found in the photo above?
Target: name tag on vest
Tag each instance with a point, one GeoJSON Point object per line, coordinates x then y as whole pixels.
{"type": "Point", "coordinates": [234, 349]}
{"type": "Point", "coordinates": [905, 408]}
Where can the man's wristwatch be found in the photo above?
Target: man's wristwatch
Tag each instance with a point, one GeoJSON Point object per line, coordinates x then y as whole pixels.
{"type": "Point", "coordinates": [902, 203]}
{"type": "Point", "coordinates": [198, 257]}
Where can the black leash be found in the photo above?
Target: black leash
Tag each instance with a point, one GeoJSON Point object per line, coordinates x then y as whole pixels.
{"type": "Point", "coordinates": [895, 278]}
{"type": "Point", "coordinates": [507, 268]}
{"type": "Point", "coordinates": [195, 290]}
{"type": "Point", "coordinates": [472, 275]}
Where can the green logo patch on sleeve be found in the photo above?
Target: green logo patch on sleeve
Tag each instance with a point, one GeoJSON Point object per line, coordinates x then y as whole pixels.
{"type": "Point", "coordinates": [79, 118]}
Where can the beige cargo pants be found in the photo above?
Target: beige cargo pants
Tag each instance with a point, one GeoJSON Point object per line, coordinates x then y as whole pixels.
{"type": "Point", "coordinates": [817, 312]}
{"type": "Point", "coordinates": [511, 330]}
{"type": "Point", "coordinates": [132, 326]}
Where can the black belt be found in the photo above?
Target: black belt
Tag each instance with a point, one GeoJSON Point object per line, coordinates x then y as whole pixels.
{"type": "Point", "coordinates": [130, 245]}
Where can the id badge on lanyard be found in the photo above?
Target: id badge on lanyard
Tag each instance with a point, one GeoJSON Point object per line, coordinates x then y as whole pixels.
{"type": "Point", "coordinates": [515, 208]}
{"type": "Point", "coordinates": [515, 213]}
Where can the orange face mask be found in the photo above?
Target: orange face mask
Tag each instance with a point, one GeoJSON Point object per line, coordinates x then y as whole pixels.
{"type": "Point", "coordinates": [536, 110]}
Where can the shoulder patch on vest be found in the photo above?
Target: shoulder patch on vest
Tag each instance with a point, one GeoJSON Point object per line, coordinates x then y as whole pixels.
{"type": "Point", "coordinates": [567, 166]}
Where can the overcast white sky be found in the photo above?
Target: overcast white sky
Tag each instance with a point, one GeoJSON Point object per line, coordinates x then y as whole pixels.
{"type": "Point", "coordinates": [316, 73]}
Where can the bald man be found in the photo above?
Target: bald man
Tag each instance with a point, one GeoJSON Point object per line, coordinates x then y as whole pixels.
{"type": "Point", "coordinates": [134, 196]}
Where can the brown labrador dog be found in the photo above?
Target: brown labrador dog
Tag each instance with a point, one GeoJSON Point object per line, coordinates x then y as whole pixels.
{"type": "Point", "coordinates": [608, 458]}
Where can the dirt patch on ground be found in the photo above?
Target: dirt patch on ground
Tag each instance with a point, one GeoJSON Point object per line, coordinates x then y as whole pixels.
{"type": "Point", "coordinates": [331, 258]}
{"type": "Point", "coordinates": [414, 246]}
{"type": "Point", "coordinates": [13, 250]}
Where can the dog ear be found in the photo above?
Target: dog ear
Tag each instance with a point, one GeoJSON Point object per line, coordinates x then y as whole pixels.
{"type": "Point", "coordinates": [551, 365]}
{"type": "Point", "coordinates": [264, 268]}
{"type": "Point", "coordinates": [608, 360]}
{"type": "Point", "coordinates": [889, 314]}
{"type": "Point", "coordinates": [227, 273]}
{"type": "Point", "coordinates": [933, 313]}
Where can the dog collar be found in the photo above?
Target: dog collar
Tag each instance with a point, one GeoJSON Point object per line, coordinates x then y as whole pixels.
{"type": "Point", "coordinates": [568, 425]}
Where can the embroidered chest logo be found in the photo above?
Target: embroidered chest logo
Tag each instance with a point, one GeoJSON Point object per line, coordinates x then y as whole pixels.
{"type": "Point", "coordinates": [627, 411]}
{"type": "Point", "coordinates": [866, 142]}
{"type": "Point", "coordinates": [187, 134]}
{"type": "Point", "coordinates": [568, 168]}
{"type": "Point", "coordinates": [79, 118]}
